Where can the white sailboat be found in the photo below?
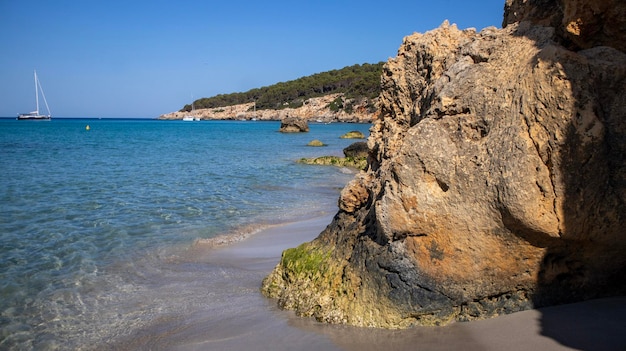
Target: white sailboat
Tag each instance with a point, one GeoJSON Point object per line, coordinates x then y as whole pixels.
{"type": "Point", "coordinates": [35, 114]}
{"type": "Point", "coordinates": [190, 117]}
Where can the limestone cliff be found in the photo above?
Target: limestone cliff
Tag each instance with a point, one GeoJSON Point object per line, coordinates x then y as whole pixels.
{"type": "Point", "coordinates": [496, 179]}
{"type": "Point", "coordinates": [314, 109]}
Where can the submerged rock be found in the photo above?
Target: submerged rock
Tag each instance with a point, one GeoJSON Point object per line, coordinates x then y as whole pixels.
{"type": "Point", "coordinates": [496, 181]}
{"type": "Point", "coordinates": [355, 157]}
{"type": "Point", "coordinates": [315, 143]}
{"type": "Point", "coordinates": [355, 134]}
{"type": "Point", "coordinates": [352, 162]}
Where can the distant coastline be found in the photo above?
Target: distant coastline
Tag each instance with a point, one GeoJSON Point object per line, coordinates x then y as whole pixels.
{"type": "Point", "coordinates": [316, 109]}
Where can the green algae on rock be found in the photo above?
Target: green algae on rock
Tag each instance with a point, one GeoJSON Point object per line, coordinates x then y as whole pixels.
{"type": "Point", "coordinates": [355, 157]}
{"type": "Point", "coordinates": [355, 134]}
{"type": "Point", "coordinates": [316, 143]}
{"type": "Point", "coordinates": [359, 163]}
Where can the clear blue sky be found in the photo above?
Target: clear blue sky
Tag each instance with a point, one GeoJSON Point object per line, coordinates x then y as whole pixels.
{"type": "Point", "coordinates": [142, 58]}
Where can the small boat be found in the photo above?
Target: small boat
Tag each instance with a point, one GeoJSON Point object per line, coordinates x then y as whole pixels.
{"type": "Point", "coordinates": [190, 117]}
{"type": "Point", "coordinates": [35, 115]}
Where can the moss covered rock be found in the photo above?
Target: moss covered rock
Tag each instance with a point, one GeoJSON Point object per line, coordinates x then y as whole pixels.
{"type": "Point", "coordinates": [352, 162]}
{"type": "Point", "coordinates": [355, 134]}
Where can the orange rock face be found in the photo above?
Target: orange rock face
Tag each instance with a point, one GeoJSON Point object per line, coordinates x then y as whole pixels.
{"type": "Point", "coordinates": [497, 177]}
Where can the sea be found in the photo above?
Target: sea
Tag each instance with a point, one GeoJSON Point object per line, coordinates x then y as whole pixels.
{"type": "Point", "coordinates": [92, 210]}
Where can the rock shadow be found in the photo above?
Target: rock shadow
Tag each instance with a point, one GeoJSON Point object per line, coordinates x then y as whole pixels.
{"type": "Point", "coordinates": [588, 260]}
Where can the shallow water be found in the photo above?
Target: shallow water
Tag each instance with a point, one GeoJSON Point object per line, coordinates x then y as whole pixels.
{"type": "Point", "coordinates": [91, 221]}
{"type": "Point", "coordinates": [106, 243]}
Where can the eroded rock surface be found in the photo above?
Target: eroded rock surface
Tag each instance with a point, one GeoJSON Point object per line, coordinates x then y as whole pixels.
{"type": "Point", "coordinates": [581, 24]}
{"type": "Point", "coordinates": [496, 181]}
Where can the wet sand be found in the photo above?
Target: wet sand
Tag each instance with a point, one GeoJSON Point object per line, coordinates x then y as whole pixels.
{"type": "Point", "coordinates": [237, 317]}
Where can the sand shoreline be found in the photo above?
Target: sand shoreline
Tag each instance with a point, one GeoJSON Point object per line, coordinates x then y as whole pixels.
{"type": "Point", "coordinates": [242, 319]}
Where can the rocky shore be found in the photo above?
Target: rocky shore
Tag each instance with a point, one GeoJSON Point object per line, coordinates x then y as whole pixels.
{"type": "Point", "coordinates": [355, 156]}
{"type": "Point", "coordinates": [496, 178]}
{"type": "Point", "coordinates": [314, 110]}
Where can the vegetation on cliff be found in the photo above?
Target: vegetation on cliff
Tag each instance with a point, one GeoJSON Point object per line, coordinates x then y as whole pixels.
{"type": "Point", "coordinates": [355, 82]}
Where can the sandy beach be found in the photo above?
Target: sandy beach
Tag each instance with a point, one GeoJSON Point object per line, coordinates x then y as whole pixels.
{"type": "Point", "coordinates": [237, 317]}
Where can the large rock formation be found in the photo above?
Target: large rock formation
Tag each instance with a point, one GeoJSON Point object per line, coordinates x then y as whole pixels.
{"type": "Point", "coordinates": [356, 150]}
{"type": "Point", "coordinates": [293, 125]}
{"type": "Point", "coordinates": [496, 179]}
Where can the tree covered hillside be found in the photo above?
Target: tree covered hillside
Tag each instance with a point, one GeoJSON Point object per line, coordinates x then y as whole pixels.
{"type": "Point", "coordinates": [355, 82]}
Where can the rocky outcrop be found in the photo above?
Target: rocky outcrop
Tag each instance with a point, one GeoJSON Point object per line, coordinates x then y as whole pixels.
{"type": "Point", "coordinates": [496, 180]}
{"type": "Point", "coordinates": [355, 157]}
{"type": "Point", "coordinates": [357, 150]}
{"type": "Point", "coordinates": [349, 162]}
{"type": "Point", "coordinates": [314, 110]}
{"type": "Point", "coordinates": [293, 125]}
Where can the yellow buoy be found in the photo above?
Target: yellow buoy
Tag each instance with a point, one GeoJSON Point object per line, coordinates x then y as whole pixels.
{"type": "Point", "coordinates": [87, 127]}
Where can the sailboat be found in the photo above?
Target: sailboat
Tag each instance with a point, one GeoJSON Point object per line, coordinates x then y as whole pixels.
{"type": "Point", "coordinates": [35, 114]}
{"type": "Point", "coordinates": [190, 117]}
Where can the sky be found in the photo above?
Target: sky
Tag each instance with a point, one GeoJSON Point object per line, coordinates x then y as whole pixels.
{"type": "Point", "coordinates": [141, 59]}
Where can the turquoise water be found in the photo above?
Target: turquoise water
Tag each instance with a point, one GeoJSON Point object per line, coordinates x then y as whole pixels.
{"type": "Point", "coordinates": [81, 209]}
